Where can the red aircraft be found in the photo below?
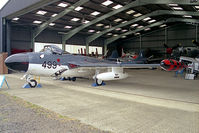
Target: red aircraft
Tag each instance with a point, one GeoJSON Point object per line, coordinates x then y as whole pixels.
{"type": "Point", "coordinates": [172, 65]}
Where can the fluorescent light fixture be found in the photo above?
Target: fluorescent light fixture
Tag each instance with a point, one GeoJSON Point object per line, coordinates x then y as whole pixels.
{"type": "Point", "coordinates": [98, 32]}
{"type": "Point", "coordinates": [197, 7]}
{"type": "Point", "coordinates": [106, 27]}
{"type": "Point", "coordinates": [75, 19]}
{"type": "Point", "coordinates": [137, 33]}
{"type": "Point", "coordinates": [118, 29]}
{"type": "Point", "coordinates": [78, 8]}
{"type": "Point", "coordinates": [151, 21]}
{"type": "Point", "coordinates": [37, 22]}
{"type": "Point", "coordinates": [62, 5]}
{"type": "Point", "coordinates": [164, 25]}
{"type": "Point", "coordinates": [177, 8]}
{"type": "Point", "coordinates": [147, 29]}
{"type": "Point", "coordinates": [106, 3]}
{"type": "Point", "coordinates": [118, 20]}
{"type": "Point", "coordinates": [41, 12]}
{"type": "Point", "coordinates": [86, 21]}
{"type": "Point", "coordinates": [130, 12]}
{"type": "Point", "coordinates": [137, 15]}
{"type": "Point", "coordinates": [54, 15]}
{"type": "Point", "coordinates": [124, 21]}
{"type": "Point", "coordinates": [146, 19]}
{"type": "Point", "coordinates": [117, 6]}
{"type": "Point", "coordinates": [123, 36]}
{"type": "Point", "coordinates": [140, 26]}
{"type": "Point", "coordinates": [68, 27]}
{"type": "Point", "coordinates": [124, 30]}
{"type": "Point", "coordinates": [173, 4]}
{"type": "Point", "coordinates": [52, 24]}
{"type": "Point", "coordinates": [134, 25]}
{"type": "Point", "coordinates": [187, 16]}
{"type": "Point", "coordinates": [115, 35]}
{"type": "Point", "coordinates": [91, 31]}
{"type": "Point", "coordinates": [109, 34]}
{"type": "Point", "coordinates": [95, 13]}
{"type": "Point", "coordinates": [15, 19]}
{"type": "Point", "coordinates": [99, 25]}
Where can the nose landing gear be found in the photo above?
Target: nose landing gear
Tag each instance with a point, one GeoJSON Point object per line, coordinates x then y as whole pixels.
{"type": "Point", "coordinates": [31, 83]}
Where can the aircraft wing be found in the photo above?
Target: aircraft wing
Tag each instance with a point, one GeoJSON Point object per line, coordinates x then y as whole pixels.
{"type": "Point", "coordinates": [110, 65]}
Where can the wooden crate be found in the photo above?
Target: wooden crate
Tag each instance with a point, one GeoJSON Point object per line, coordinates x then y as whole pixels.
{"type": "Point", "coordinates": [3, 68]}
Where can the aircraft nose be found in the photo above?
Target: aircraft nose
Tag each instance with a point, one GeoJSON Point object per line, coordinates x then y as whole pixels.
{"type": "Point", "coordinates": [17, 62]}
{"type": "Point", "coordinates": [164, 65]}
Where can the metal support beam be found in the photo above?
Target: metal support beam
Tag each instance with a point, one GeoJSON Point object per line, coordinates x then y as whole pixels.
{"type": "Point", "coordinates": [155, 13]}
{"type": "Point", "coordinates": [76, 30]}
{"type": "Point", "coordinates": [63, 44]}
{"type": "Point", "coordinates": [112, 39]}
{"type": "Point", "coordinates": [8, 33]}
{"type": "Point", "coordinates": [87, 49]}
{"type": "Point", "coordinates": [32, 40]}
{"type": "Point", "coordinates": [196, 32]}
{"type": "Point", "coordinates": [166, 36]}
{"type": "Point", "coordinates": [61, 14]}
{"type": "Point", "coordinates": [130, 5]}
{"type": "Point", "coordinates": [31, 8]}
{"type": "Point", "coordinates": [105, 49]}
{"type": "Point", "coordinates": [140, 42]}
{"type": "Point", "coordinates": [1, 35]}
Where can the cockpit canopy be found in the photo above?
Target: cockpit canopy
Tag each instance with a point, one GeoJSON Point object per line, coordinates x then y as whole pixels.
{"type": "Point", "coordinates": [53, 49]}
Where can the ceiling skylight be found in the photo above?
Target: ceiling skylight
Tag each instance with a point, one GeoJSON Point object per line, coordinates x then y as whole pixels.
{"type": "Point", "coordinates": [118, 29]}
{"type": "Point", "coordinates": [117, 6]}
{"type": "Point", "coordinates": [98, 32]}
{"type": "Point", "coordinates": [164, 25]}
{"type": "Point", "coordinates": [15, 19]}
{"type": "Point", "coordinates": [137, 15]}
{"type": "Point", "coordinates": [197, 7]}
{"type": "Point", "coordinates": [78, 8]}
{"type": "Point", "coordinates": [75, 19]}
{"type": "Point", "coordinates": [118, 20]}
{"type": "Point", "coordinates": [106, 27]}
{"type": "Point", "coordinates": [109, 34]}
{"type": "Point", "coordinates": [54, 15]}
{"type": "Point", "coordinates": [106, 3]}
{"type": "Point", "coordinates": [177, 8]}
{"type": "Point", "coordinates": [140, 26]}
{"type": "Point", "coordinates": [124, 30]}
{"type": "Point", "coordinates": [52, 24]}
{"type": "Point", "coordinates": [62, 5]}
{"type": "Point", "coordinates": [151, 21]}
{"type": "Point", "coordinates": [99, 25]}
{"type": "Point", "coordinates": [68, 27]}
{"type": "Point", "coordinates": [86, 21]}
{"type": "Point", "coordinates": [173, 4]}
{"type": "Point", "coordinates": [124, 21]}
{"type": "Point", "coordinates": [134, 25]}
{"type": "Point", "coordinates": [123, 36]}
{"type": "Point", "coordinates": [187, 16]}
{"type": "Point", "coordinates": [41, 12]}
{"type": "Point", "coordinates": [37, 22]}
{"type": "Point", "coordinates": [147, 29]}
{"type": "Point", "coordinates": [91, 31]}
{"type": "Point", "coordinates": [130, 12]}
{"type": "Point", "coordinates": [146, 19]}
{"type": "Point", "coordinates": [95, 13]}
{"type": "Point", "coordinates": [115, 35]}
{"type": "Point", "coordinates": [137, 33]}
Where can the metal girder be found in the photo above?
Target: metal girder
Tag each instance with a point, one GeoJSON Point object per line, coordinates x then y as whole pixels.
{"type": "Point", "coordinates": [110, 40]}
{"type": "Point", "coordinates": [76, 30]}
{"type": "Point", "coordinates": [31, 8]}
{"type": "Point", "coordinates": [180, 2]}
{"type": "Point", "coordinates": [155, 13]}
{"type": "Point", "coordinates": [61, 14]}
{"type": "Point", "coordinates": [130, 5]}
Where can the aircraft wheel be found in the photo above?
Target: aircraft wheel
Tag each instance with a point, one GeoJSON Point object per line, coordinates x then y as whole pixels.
{"type": "Point", "coordinates": [98, 82]}
{"type": "Point", "coordinates": [32, 83]}
{"type": "Point", "coordinates": [73, 78]}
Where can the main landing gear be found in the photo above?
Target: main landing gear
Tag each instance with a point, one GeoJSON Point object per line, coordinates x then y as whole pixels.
{"type": "Point", "coordinates": [31, 83]}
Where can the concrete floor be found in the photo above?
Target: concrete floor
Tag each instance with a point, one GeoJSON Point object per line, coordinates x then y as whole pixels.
{"type": "Point", "coordinates": [149, 101]}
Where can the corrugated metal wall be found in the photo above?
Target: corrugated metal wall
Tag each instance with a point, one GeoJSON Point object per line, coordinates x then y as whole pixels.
{"type": "Point", "coordinates": [182, 33]}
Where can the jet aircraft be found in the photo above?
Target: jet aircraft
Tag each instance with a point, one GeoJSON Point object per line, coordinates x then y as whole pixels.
{"type": "Point", "coordinates": [52, 61]}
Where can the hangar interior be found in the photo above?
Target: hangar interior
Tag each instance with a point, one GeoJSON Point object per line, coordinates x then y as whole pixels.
{"type": "Point", "coordinates": [149, 101]}
{"type": "Point", "coordinates": [131, 24]}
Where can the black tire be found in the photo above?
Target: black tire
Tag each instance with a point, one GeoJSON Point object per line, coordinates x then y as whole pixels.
{"type": "Point", "coordinates": [73, 79]}
{"type": "Point", "coordinates": [33, 83]}
{"type": "Point", "coordinates": [98, 82]}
